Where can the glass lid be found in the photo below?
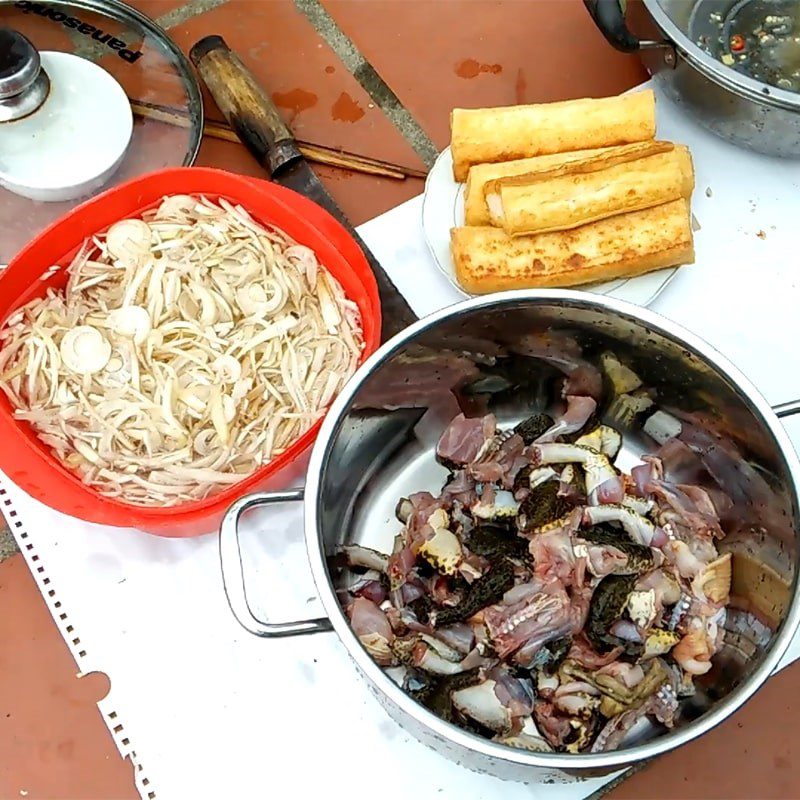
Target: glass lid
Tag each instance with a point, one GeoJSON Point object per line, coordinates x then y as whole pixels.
{"type": "Point", "coordinates": [151, 116]}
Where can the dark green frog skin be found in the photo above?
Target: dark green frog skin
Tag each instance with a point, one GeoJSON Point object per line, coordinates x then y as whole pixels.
{"type": "Point", "coordinates": [422, 608]}
{"type": "Point", "coordinates": [551, 655]}
{"type": "Point", "coordinates": [559, 649]}
{"type": "Point", "coordinates": [485, 591]}
{"type": "Point", "coordinates": [435, 693]}
{"type": "Point", "coordinates": [607, 606]}
{"type": "Point", "coordinates": [640, 557]}
{"type": "Point", "coordinates": [522, 480]}
{"type": "Point", "coordinates": [533, 427]}
{"type": "Point", "coordinates": [579, 480]}
{"type": "Point", "coordinates": [541, 506]}
{"type": "Point", "coordinates": [497, 542]}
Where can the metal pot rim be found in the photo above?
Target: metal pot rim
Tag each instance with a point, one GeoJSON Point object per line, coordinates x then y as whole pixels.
{"type": "Point", "coordinates": [445, 731]}
{"type": "Point", "coordinates": [716, 71]}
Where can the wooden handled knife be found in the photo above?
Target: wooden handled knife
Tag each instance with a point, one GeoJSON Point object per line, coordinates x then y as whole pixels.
{"type": "Point", "coordinates": [254, 117]}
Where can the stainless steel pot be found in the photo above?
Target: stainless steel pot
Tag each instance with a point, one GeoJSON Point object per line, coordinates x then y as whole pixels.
{"type": "Point", "coordinates": [377, 444]}
{"type": "Point", "coordinates": [730, 104]}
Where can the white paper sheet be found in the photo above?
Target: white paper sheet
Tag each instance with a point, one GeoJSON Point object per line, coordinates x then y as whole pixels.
{"type": "Point", "coordinates": [207, 711]}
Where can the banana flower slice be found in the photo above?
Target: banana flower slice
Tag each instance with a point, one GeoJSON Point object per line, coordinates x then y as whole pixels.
{"type": "Point", "coordinates": [85, 350]}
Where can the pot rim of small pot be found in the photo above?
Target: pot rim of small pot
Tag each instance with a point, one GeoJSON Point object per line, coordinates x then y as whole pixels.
{"type": "Point", "coordinates": [438, 727]}
{"type": "Point", "coordinates": [716, 71]}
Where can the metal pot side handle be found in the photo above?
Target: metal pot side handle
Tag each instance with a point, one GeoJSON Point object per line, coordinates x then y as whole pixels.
{"type": "Point", "coordinates": [787, 409]}
{"type": "Point", "coordinates": [230, 555]}
{"type": "Point", "coordinates": [233, 571]}
{"type": "Point", "coordinates": [609, 16]}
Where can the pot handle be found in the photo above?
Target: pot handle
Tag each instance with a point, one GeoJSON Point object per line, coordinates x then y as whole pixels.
{"type": "Point", "coordinates": [787, 409]}
{"type": "Point", "coordinates": [609, 16]}
{"type": "Point", "coordinates": [230, 556]}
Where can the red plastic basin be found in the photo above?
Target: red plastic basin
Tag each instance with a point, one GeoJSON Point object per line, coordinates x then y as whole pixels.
{"type": "Point", "coordinates": [30, 463]}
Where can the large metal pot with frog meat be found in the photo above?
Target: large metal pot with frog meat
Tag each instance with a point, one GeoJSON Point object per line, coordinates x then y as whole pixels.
{"type": "Point", "coordinates": [378, 443]}
{"type": "Point", "coordinates": [734, 65]}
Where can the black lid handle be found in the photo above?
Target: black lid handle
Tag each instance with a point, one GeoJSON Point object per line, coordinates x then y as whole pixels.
{"type": "Point", "coordinates": [609, 16]}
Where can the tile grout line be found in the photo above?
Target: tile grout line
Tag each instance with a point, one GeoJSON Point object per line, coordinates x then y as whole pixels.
{"type": "Point", "coordinates": [344, 47]}
{"type": "Point", "coordinates": [186, 12]}
{"type": "Point", "coordinates": [93, 51]}
{"type": "Point", "coordinates": [368, 77]}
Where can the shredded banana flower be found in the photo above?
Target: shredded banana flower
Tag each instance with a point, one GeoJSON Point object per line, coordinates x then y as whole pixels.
{"type": "Point", "coordinates": [189, 348]}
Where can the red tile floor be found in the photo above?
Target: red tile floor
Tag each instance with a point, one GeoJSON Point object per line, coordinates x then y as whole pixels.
{"type": "Point", "coordinates": [433, 54]}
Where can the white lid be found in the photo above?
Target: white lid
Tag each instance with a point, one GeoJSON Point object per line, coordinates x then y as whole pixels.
{"type": "Point", "coordinates": [75, 141]}
{"type": "Point", "coordinates": [147, 65]}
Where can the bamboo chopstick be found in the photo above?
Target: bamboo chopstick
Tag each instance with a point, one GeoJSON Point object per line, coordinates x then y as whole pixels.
{"type": "Point", "coordinates": [313, 152]}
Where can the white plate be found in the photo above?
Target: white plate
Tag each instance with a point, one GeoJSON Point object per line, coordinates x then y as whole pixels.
{"type": "Point", "coordinates": [443, 209]}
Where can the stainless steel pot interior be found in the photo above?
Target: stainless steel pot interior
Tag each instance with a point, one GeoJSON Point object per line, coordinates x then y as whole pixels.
{"type": "Point", "coordinates": [681, 23]}
{"type": "Point", "coordinates": [377, 444]}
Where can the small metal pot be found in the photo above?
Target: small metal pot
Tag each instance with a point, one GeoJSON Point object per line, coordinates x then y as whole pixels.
{"type": "Point", "coordinates": [377, 444]}
{"type": "Point", "coordinates": [729, 103]}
